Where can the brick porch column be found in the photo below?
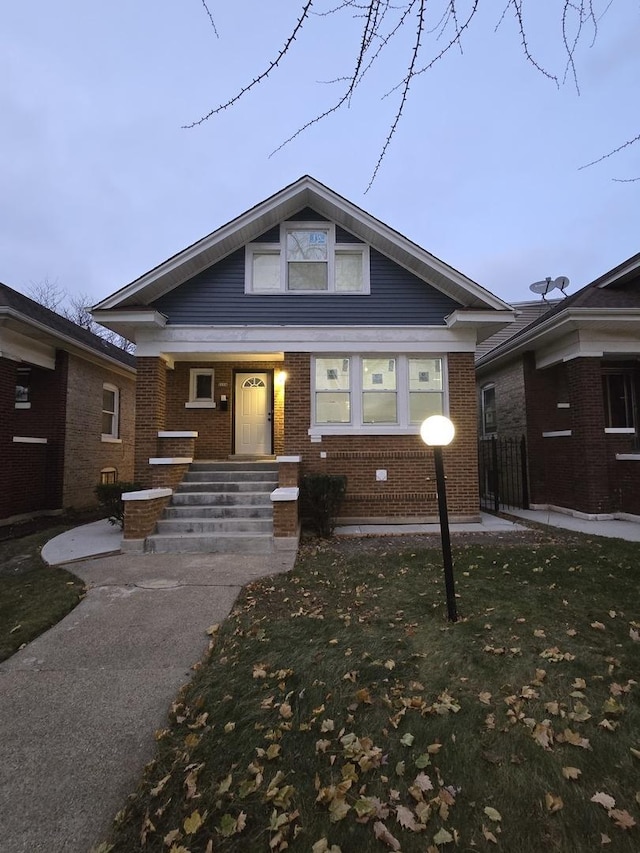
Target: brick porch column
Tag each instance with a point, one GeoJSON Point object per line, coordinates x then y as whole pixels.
{"type": "Point", "coordinates": [151, 401]}
{"type": "Point", "coordinates": [589, 449]}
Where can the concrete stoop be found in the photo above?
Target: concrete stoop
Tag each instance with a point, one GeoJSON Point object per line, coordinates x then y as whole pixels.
{"type": "Point", "coordinates": [220, 507]}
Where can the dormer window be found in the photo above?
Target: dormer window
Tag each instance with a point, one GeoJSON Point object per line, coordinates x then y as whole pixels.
{"type": "Point", "coordinates": [307, 260]}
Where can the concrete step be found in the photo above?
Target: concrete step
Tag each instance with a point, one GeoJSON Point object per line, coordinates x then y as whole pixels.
{"type": "Point", "coordinates": [202, 511]}
{"type": "Point", "coordinates": [204, 465]}
{"type": "Point", "coordinates": [249, 486]}
{"type": "Point", "coordinates": [205, 543]}
{"type": "Point", "coordinates": [204, 498]}
{"type": "Point", "coordinates": [214, 526]}
{"type": "Point", "coordinates": [224, 477]}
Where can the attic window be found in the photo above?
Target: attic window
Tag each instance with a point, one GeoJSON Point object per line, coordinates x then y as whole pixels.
{"type": "Point", "coordinates": [307, 259]}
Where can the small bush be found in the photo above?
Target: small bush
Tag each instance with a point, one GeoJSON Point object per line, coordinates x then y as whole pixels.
{"type": "Point", "coordinates": [110, 499]}
{"type": "Point", "coordinates": [321, 496]}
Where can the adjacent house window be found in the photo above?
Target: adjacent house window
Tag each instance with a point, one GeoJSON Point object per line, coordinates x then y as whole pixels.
{"type": "Point", "coordinates": [108, 475]}
{"type": "Point", "coordinates": [307, 260]}
{"type": "Point", "coordinates": [23, 388]}
{"type": "Point", "coordinates": [376, 393]}
{"type": "Point", "coordinates": [110, 412]}
{"type": "Point", "coordinates": [200, 388]}
{"type": "Point", "coordinates": [619, 399]}
{"type": "Point", "coordinates": [489, 419]}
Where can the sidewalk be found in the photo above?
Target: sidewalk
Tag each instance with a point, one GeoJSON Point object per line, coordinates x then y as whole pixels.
{"type": "Point", "coordinates": [79, 705]}
{"type": "Point", "coordinates": [611, 528]}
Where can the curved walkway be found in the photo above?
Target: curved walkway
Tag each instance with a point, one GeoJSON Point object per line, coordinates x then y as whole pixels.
{"type": "Point", "coordinates": [79, 705]}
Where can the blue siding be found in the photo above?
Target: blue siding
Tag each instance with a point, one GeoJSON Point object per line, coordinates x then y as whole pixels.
{"type": "Point", "coordinates": [216, 297]}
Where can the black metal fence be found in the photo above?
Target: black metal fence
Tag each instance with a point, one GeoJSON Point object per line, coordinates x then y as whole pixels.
{"type": "Point", "coordinates": [503, 473]}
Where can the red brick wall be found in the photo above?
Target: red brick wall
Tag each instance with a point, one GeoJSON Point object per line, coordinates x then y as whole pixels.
{"type": "Point", "coordinates": [85, 452]}
{"type": "Point", "coordinates": [214, 426]}
{"type": "Point", "coordinates": [409, 491]}
{"type": "Point", "coordinates": [151, 387]}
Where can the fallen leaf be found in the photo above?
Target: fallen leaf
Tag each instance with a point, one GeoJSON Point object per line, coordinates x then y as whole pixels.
{"type": "Point", "coordinates": [553, 803]}
{"type": "Point", "coordinates": [635, 635]}
{"type": "Point", "coordinates": [598, 626]}
{"type": "Point", "coordinates": [229, 727]}
{"type": "Point", "coordinates": [488, 835]}
{"type": "Point", "coordinates": [382, 834]}
{"type": "Point", "coordinates": [442, 837]}
{"type": "Point", "coordinates": [571, 772]}
{"type": "Point", "coordinates": [192, 823]}
{"type": "Point", "coordinates": [485, 698]}
{"type": "Point", "coordinates": [604, 839]}
{"type": "Point", "coordinates": [492, 814]}
{"type": "Point", "coordinates": [155, 791]}
{"type": "Point", "coordinates": [622, 818]}
{"type": "Point", "coordinates": [603, 800]}
{"type": "Point", "coordinates": [285, 711]}
{"type": "Point", "coordinates": [635, 752]}
{"type": "Point", "coordinates": [407, 739]}
{"type": "Point", "coordinates": [407, 820]}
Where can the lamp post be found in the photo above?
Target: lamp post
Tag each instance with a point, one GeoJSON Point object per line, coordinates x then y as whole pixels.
{"type": "Point", "coordinates": [437, 432]}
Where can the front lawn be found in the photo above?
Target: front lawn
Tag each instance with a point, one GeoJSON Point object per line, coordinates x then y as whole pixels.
{"type": "Point", "coordinates": [339, 711]}
{"type": "Point", "coordinates": [33, 597]}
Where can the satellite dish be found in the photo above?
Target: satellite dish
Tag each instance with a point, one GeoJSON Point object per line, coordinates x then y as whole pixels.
{"type": "Point", "coordinates": [543, 287]}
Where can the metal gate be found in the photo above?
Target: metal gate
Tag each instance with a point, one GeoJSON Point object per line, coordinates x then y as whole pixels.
{"type": "Point", "coordinates": [503, 473]}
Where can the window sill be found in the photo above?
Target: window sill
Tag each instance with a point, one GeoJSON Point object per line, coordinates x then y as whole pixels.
{"type": "Point", "coordinates": [620, 430]}
{"type": "Point", "coordinates": [365, 429]}
{"type": "Point", "coordinates": [109, 439]}
{"type": "Point", "coordinates": [25, 439]}
{"type": "Point", "coordinates": [558, 433]}
{"type": "Point", "coordinates": [209, 404]}
{"type": "Point", "coordinates": [23, 405]}
{"type": "Point", "coordinates": [628, 457]}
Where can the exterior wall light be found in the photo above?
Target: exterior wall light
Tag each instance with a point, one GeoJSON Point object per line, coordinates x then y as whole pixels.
{"type": "Point", "coordinates": [437, 432]}
{"type": "Point", "coordinates": [281, 377]}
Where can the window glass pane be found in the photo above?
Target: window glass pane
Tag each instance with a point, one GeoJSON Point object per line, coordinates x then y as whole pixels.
{"type": "Point", "coordinates": [108, 400]}
{"type": "Point", "coordinates": [23, 377]}
{"type": "Point", "coordinates": [489, 410]}
{"type": "Point", "coordinates": [422, 406]}
{"type": "Point", "coordinates": [348, 267]}
{"type": "Point", "coordinates": [266, 271]}
{"type": "Point", "coordinates": [307, 245]}
{"type": "Point", "coordinates": [425, 374]}
{"type": "Point", "coordinates": [618, 399]}
{"type": "Point", "coordinates": [379, 408]}
{"type": "Point", "coordinates": [107, 423]}
{"type": "Point", "coordinates": [378, 374]}
{"type": "Point", "coordinates": [307, 276]}
{"type": "Point", "coordinates": [332, 408]}
{"type": "Point", "coordinates": [203, 386]}
{"type": "Point", "coordinates": [332, 374]}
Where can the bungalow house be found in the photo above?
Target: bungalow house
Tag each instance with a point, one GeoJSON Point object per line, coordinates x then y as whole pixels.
{"type": "Point", "coordinates": [66, 411]}
{"type": "Point", "coordinates": [306, 332]}
{"type": "Point", "coordinates": [570, 380]}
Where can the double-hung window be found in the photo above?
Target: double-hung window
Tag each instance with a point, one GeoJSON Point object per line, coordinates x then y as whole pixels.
{"type": "Point", "coordinates": [307, 259]}
{"type": "Point", "coordinates": [376, 394]}
{"type": "Point", "coordinates": [23, 389]}
{"type": "Point", "coordinates": [488, 405]}
{"type": "Point", "coordinates": [110, 412]}
{"type": "Point", "coordinates": [619, 399]}
{"type": "Point", "coordinates": [201, 388]}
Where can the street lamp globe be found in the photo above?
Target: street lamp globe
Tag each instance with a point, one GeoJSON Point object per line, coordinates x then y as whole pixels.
{"type": "Point", "coordinates": [437, 431]}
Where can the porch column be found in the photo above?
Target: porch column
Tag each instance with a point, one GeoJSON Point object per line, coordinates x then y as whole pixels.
{"type": "Point", "coordinates": [589, 449]}
{"type": "Point", "coordinates": [151, 401]}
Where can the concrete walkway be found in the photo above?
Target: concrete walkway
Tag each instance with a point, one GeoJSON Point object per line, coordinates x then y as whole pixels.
{"type": "Point", "coordinates": [79, 705]}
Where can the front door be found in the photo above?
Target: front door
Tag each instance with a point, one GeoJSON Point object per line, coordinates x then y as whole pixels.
{"type": "Point", "coordinates": [253, 413]}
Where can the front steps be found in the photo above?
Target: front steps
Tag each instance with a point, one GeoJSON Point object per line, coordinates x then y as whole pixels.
{"type": "Point", "coordinates": [220, 507]}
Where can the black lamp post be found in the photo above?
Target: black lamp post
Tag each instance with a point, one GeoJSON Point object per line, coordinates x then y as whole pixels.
{"type": "Point", "coordinates": [437, 432]}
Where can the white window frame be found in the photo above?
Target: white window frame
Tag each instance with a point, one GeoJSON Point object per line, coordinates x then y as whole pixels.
{"type": "Point", "coordinates": [114, 434]}
{"type": "Point", "coordinates": [403, 426]}
{"type": "Point", "coordinates": [194, 401]}
{"type": "Point", "coordinates": [333, 248]}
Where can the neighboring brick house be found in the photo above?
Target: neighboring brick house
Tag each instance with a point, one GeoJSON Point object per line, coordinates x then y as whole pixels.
{"type": "Point", "coordinates": [570, 380]}
{"type": "Point", "coordinates": [67, 402]}
{"type": "Point", "coordinates": [306, 328]}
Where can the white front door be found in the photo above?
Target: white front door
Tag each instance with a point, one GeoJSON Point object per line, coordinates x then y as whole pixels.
{"type": "Point", "coordinates": [253, 414]}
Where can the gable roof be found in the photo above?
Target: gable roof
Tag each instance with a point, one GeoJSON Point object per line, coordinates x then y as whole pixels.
{"type": "Point", "coordinates": [526, 313]}
{"type": "Point", "coordinates": [610, 301]}
{"type": "Point", "coordinates": [305, 192]}
{"type": "Point", "coordinates": [30, 318]}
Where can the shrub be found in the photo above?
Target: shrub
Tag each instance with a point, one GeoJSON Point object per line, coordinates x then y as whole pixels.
{"type": "Point", "coordinates": [110, 499]}
{"type": "Point", "coordinates": [321, 496]}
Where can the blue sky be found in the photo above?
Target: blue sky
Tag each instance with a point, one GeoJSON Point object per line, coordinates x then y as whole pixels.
{"type": "Point", "coordinates": [99, 182]}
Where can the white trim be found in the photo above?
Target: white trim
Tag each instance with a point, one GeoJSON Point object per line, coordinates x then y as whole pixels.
{"type": "Point", "coordinates": [114, 434]}
{"type": "Point", "coordinates": [558, 433]}
{"type": "Point", "coordinates": [108, 439]}
{"type": "Point", "coordinates": [131, 318]}
{"type": "Point", "coordinates": [563, 405]}
{"type": "Point", "coordinates": [177, 434]}
{"type": "Point", "coordinates": [620, 430]}
{"type": "Point", "coordinates": [288, 458]}
{"type": "Point", "coordinates": [628, 457]}
{"type": "Point", "coordinates": [199, 405]}
{"type": "Point", "coordinates": [285, 493]}
{"type": "Point", "coordinates": [22, 405]}
{"type": "Point", "coordinates": [170, 460]}
{"type": "Point", "coordinates": [147, 494]}
{"type": "Point", "coordinates": [24, 439]}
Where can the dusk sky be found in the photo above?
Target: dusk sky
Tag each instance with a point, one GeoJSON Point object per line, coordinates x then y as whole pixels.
{"type": "Point", "coordinates": [99, 182]}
